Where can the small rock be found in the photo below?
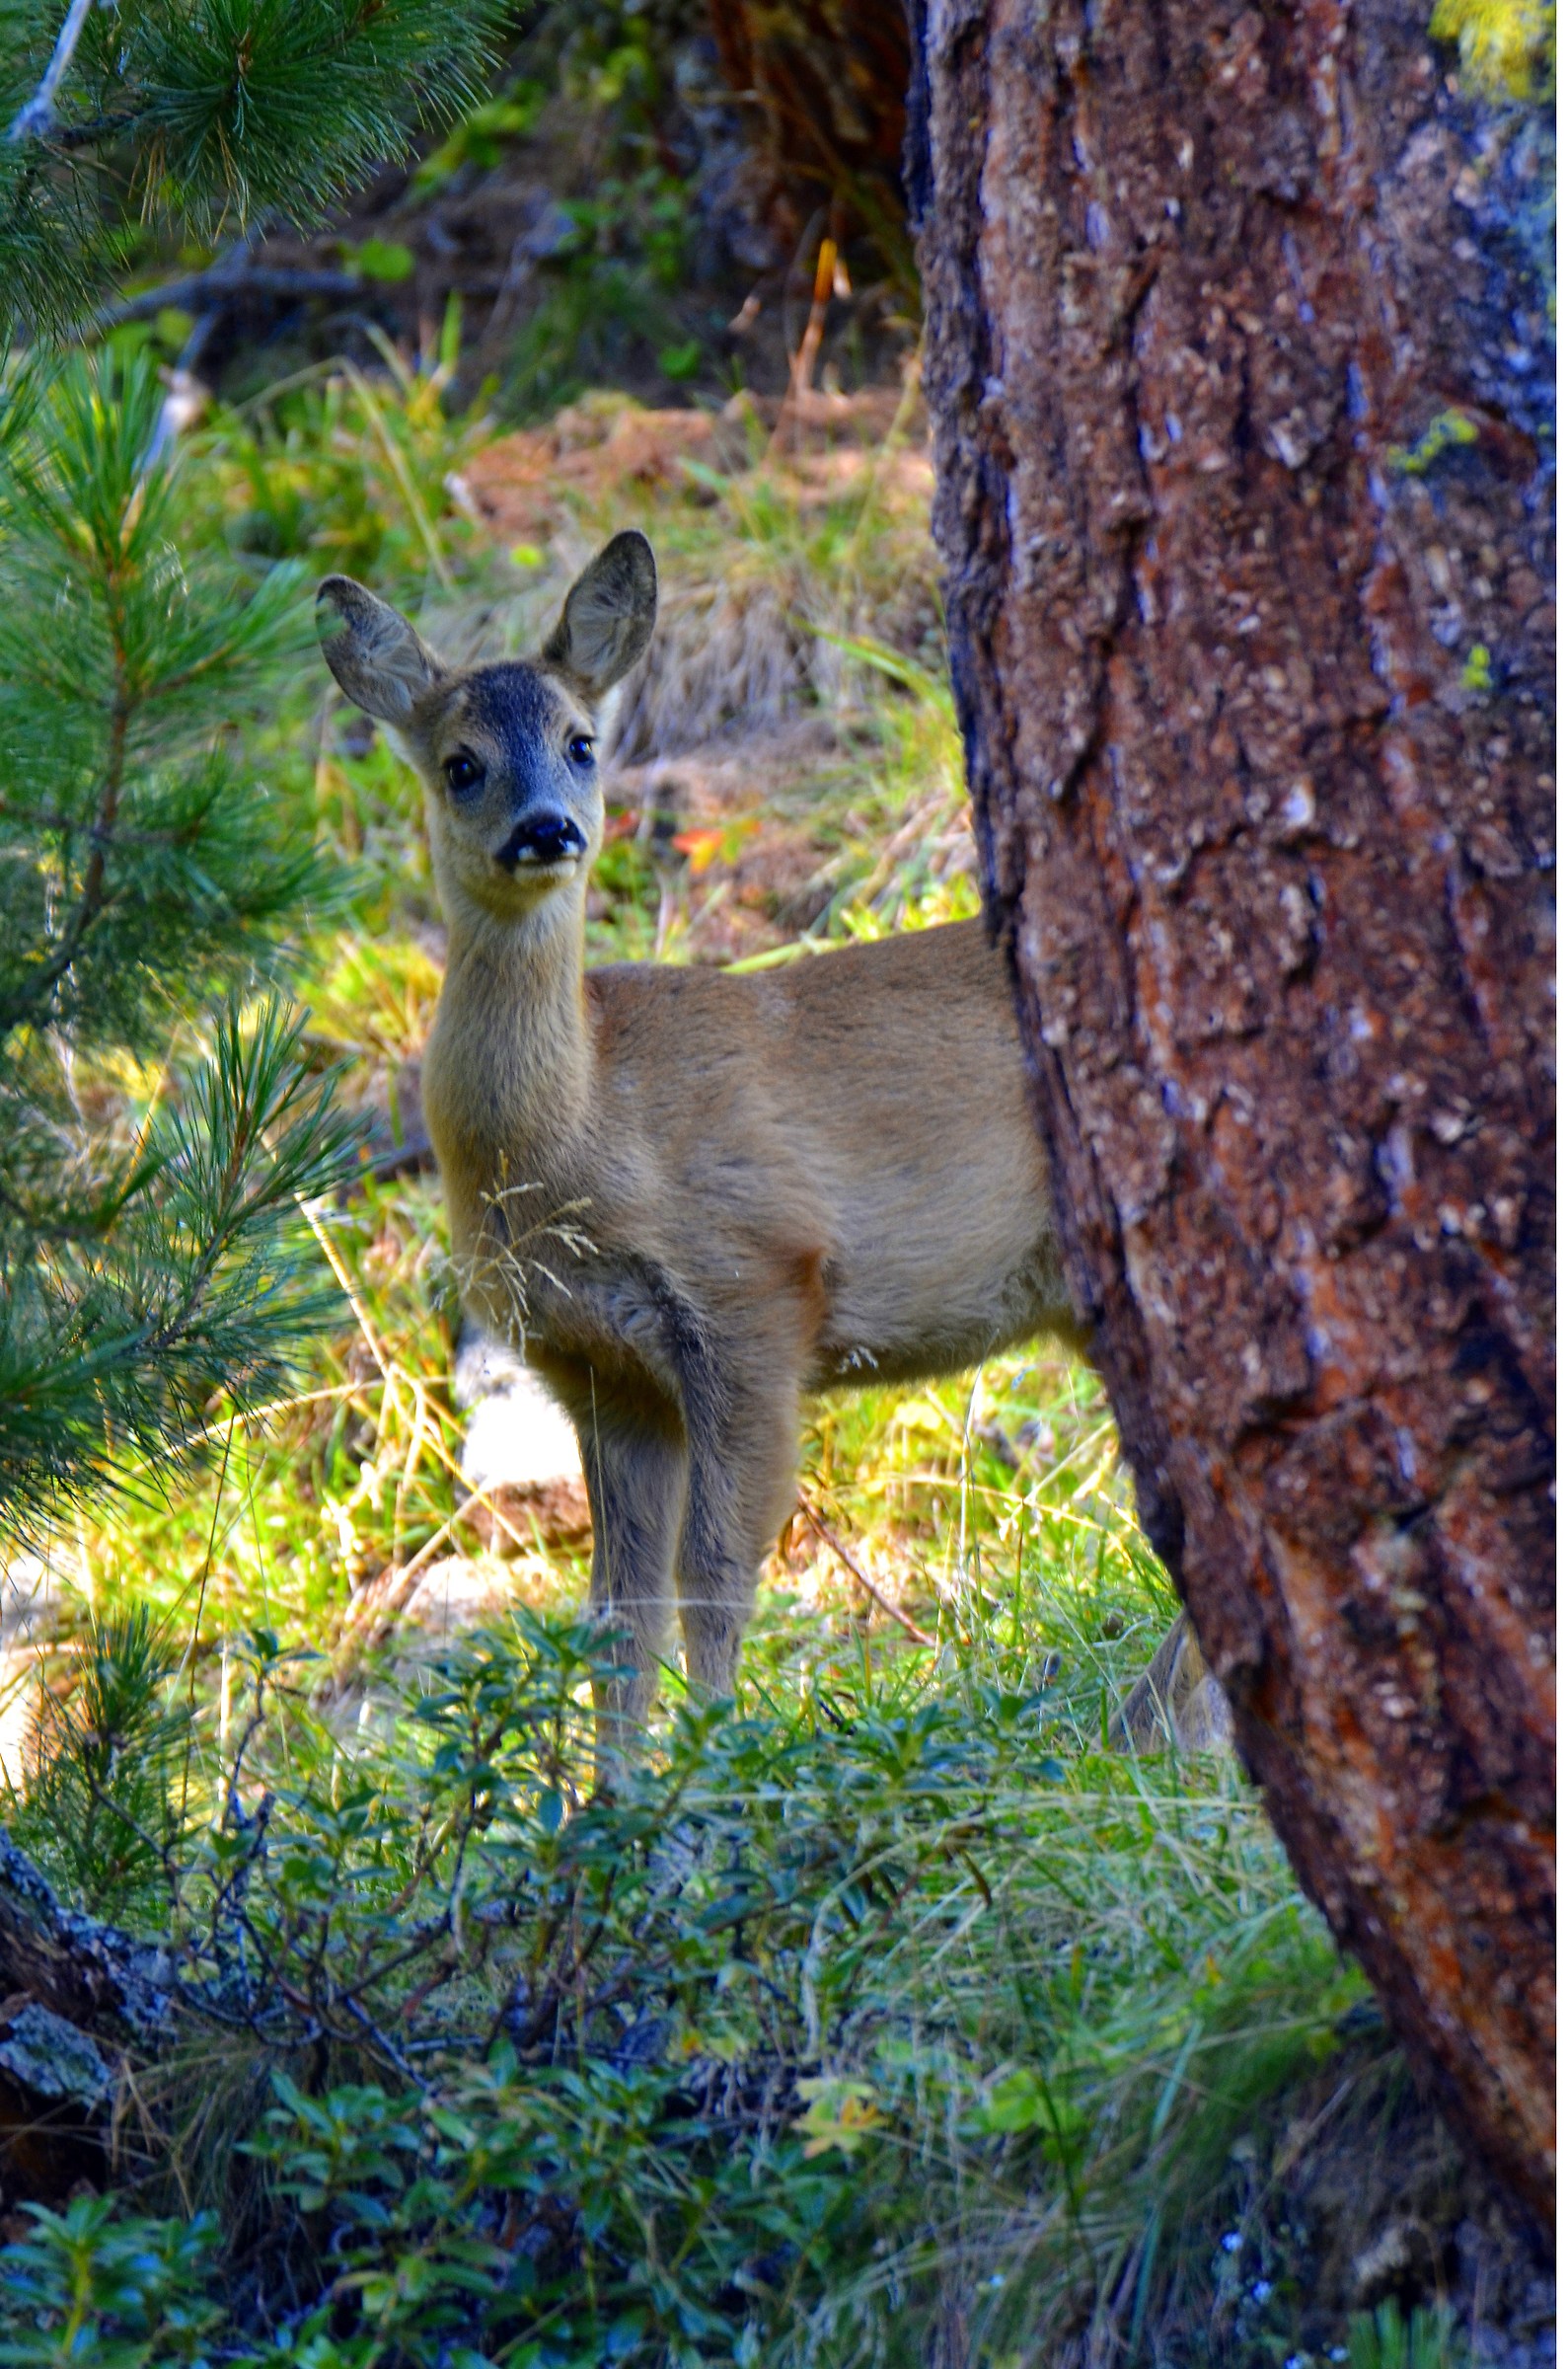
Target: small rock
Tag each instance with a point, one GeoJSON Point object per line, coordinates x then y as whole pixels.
{"type": "Point", "coordinates": [50, 2058]}
{"type": "Point", "coordinates": [460, 1592]}
{"type": "Point", "coordinates": [519, 1449]}
{"type": "Point", "coordinates": [29, 1620]}
{"type": "Point", "coordinates": [1383, 2263]}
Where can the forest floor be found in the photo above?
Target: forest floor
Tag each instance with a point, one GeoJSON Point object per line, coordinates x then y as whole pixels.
{"type": "Point", "coordinates": [895, 2018]}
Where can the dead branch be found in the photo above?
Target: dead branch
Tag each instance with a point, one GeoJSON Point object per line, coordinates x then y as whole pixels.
{"type": "Point", "coordinates": [225, 284]}
{"type": "Point", "coordinates": [35, 117]}
{"type": "Point", "coordinates": [895, 1612]}
{"type": "Point", "coordinates": [93, 1975]}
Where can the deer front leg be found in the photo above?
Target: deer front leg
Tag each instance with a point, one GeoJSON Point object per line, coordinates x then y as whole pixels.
{"type": "Point", "coordinates": [740, 1492]}
{"type": "Point", "coordinates": [634, 1459]}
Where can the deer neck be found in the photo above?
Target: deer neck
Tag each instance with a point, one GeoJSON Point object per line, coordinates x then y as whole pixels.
{"type": "Point", "coordinates": [513, 1023]}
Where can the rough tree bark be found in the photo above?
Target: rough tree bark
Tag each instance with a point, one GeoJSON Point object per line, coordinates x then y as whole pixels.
{"type": "Point", "coordinates": [1241, 383]}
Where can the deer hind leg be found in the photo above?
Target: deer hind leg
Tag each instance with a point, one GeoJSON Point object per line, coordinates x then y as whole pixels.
{"type": "Point", "coordinates": [740, 1492]}
{"type": "Point", "coordinates": [634, 1458]}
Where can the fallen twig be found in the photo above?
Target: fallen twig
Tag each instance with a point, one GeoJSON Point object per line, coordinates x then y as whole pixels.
{"type": "Point", "coordinates": [894, 1611]}
{"type": "Point", "coordinates": [803, 363]}
{"type": "Point", "coordinates": [222, 284]}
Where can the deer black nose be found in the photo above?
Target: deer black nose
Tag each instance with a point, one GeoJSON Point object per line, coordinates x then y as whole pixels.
{"type": "Point", "coordinates": [543, 837]}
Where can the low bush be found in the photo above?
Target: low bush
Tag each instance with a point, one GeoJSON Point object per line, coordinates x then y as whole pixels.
{"type": "Point", "coordinates": [878, 2000]}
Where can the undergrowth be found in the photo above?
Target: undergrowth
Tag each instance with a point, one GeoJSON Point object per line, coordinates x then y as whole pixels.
{"type": "Point", "coordinates": [885, 2018]}
{"type": "Point", "coordinates": [883, 1997]}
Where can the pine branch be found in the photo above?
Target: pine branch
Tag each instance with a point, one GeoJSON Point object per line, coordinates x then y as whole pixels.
{"type": "Point", "coordinates": [35, 120]}
{"type": "Point", "coordinates": [92, 134]}
{"type": "Point", "coordinates": [199, 1288]}
{"type": "Point", "coordinates": [139, 872]}
{"type": "Point", "coordinates": [42, 982]}
{"type": "Point", "coordinates": [242, 111]}
{"type": "Point", "coordinates": [144, 872]}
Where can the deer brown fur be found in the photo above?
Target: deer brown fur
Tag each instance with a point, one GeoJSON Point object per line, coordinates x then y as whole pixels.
{"type": "Point", "coordinates": [689, 1198]}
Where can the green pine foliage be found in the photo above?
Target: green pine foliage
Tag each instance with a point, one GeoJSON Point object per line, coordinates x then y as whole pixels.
{"type": "Point", "coordinates": [158, 1126]}
{"type": "Point", "coordinates": [212, 116]}
{"type": "Point", "coordinates": [119, 657]}
{"type": "Point", "coordinates": [160, 1129]}
{"type": "Point", "coordinates": [112, 1755]}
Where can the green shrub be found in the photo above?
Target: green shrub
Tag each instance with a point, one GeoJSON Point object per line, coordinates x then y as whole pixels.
{"type": "Point", "coordinates": [95, 2284]}
{"type": "Point", "coordinates": [875, 1995]}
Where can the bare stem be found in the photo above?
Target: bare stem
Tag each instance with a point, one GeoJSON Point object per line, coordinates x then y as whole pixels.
{"type": "Point", "coordinates": [35, 120]}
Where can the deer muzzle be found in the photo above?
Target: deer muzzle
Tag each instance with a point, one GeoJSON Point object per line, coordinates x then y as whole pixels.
{"type": "Point", "coordinates": [544, 836]}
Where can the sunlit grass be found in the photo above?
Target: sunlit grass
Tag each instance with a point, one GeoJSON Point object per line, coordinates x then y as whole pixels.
{"type": "Point", "coordinates": [999, 2002]}
{"type": "Point", "coordinates": [287, 1520]}
{"type": "Point", "coordinates": [991, 1507]}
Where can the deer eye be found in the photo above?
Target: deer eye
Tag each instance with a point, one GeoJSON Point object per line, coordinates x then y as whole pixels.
{"type": "Point", "coordinates": [463, 773]}
{"type": "Point", "coordinates": [579, 748]}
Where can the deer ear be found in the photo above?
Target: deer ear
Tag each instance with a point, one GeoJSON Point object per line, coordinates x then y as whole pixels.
{"type": "Point", "coordinates": [607, 622]}
{"type": "Point", "coordinates": [378, 659]}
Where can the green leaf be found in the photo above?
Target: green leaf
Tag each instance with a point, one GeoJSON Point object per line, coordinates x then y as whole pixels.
{"type": "Point", "coordinates": [382, 258]}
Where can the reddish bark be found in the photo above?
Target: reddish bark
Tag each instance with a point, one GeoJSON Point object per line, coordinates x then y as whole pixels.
{"type": "Point", "coordinates": [1241, 384]}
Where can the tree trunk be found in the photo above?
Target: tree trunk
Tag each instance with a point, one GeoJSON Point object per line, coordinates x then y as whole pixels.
{"type": "Point", "coordinates": [1239, 369]}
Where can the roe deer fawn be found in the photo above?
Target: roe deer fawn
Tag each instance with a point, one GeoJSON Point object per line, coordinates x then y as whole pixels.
{"type": "Point", "coordinates": [687, 1196]}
